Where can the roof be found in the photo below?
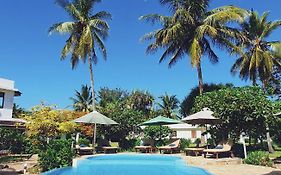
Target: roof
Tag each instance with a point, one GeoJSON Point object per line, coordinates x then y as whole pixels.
{"type": "Point", "coordinates": [12, 123]}
{"type": "Point", "coordinates": [8, 85]}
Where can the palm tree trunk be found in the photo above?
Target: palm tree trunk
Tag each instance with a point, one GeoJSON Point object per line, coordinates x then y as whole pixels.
{"type": "Point", "coordinates": [268, 138]}
{"type": "Point", "coordinates": [92, 82]}
{"type": "Point", "coordinates": [200, 77]}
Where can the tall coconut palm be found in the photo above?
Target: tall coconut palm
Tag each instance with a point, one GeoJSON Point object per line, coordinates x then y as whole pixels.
{"type": "Point", "coordinates": [191, 30]}
{"type": "Point", "coordinates": [260, 57]}
{"type": "Point", "coordinates": [82, 101]}
{"type": "Point", "coordinates": [87, 32]}
{"type": "Point", "coordinates": [168, 105]}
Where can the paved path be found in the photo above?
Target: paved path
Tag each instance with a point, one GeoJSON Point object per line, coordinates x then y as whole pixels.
{"type": "Point", "coordinates": [232, 169]}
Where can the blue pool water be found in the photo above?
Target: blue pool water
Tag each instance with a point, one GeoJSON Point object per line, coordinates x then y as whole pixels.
{"type": "Point", "coordinates": [123, 164]}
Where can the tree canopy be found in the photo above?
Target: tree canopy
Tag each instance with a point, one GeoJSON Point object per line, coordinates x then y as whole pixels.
{"type": "Point", "coordinates": [242, 110]}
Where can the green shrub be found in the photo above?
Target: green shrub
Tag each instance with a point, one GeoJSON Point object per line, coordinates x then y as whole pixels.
{"type": "Point", "coordinates": [128, 144]}
{"type": "Point", "coordinates": [157, 132]}
{"type": "Point", "coordinates": [197, 142]}
{"type": "Point", "coordinates": [185, 143]}
{"type": "Point", "coordinates": [259, 158]}
{"type": "Point", "coordinates": [84, 141]}
{"type": "Point", "coordinates": [14, 140]}
{"type": "Point", "coordinates": [58, 154]}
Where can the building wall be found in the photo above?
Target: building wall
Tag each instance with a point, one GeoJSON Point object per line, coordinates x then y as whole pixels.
{"type": "Point", "coordinates": [187, 134]}
{"type": "Point", "coordinates": [7, 110]}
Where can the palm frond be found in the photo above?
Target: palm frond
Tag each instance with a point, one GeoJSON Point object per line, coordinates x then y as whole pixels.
{"type": "Point", "coordinates": [155, 18]}
{"type": "Point", "coordinates": [226, 14]}
{"type": "Point", "coordinates": [62, 27]}
{"type": "Point", "coordinates": [103, 15]}
{"type": "Point", "coordinates": [100, 45]}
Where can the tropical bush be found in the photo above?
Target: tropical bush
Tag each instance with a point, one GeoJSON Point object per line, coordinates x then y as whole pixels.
{"type": "Point", "coordinates": [15, 141]}
{"type": "Point", "coordinates": [84, 141]}
{"type": "Point", "coordinates": [129, 144]}
{"type": "Point", "coordinates": [259, 158]}
{"type": "Point", "coordinates": [184, 143]}
{"type": "Point", "coordinates": [58, 153]}
{"type": "Point", "coordinates": [157, 132]}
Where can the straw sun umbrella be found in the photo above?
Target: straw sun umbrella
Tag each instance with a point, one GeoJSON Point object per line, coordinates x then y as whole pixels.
{"type": "Point", "coordinates": [159, 121]}
{"type": "Point", "coordinates": [203, 117]}
{"type": "Point", "coordinates": [95, 118]}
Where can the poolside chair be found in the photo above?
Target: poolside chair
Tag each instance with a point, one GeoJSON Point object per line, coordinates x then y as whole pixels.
{"type": "Point", "coordinates": [111, 147]}
{"type": "Point", "coordinates": [225, 148]}
{"type": "Point", "coordinates": [147, 146]}
{"type": "Point", "coordinates": [171, 148]}
{"type": "Point", "coordinates": [84, 150]}
{"type": "Point", "coordinates": [4, 152]}
{"type": "Point", "coordinates": [197, 150]}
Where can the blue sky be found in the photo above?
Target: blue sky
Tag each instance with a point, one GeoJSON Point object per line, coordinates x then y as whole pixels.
{"type": "Point", "coordinates": [31, 57]}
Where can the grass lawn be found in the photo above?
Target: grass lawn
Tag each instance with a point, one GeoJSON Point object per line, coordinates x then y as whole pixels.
{"type": "Point", "coordinates": [276, 154]}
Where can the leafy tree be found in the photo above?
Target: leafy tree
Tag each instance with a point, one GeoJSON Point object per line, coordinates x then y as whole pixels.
{"type": "Point", "coordinates": [141, 101]}
{"type": "Point", "coordinates": [82, 101]}
{"type": "Point", "coordinates": [127, 118]}
{"type": "Point", "coordinates": [157, 132]}
{"type": "Point", "coordinates": [242, 110]}
{"type": "Point", "coordinates": [87, 32]}
{"type": "Point", "coordinates": [47, 122]}
{"type": "Point", "coordinates": [168, 105]}
{"type": "Point", "coordinates": [190, 31]}
{"type": "Point", "coordinates": [274, 85]}
{"type": "Point", "coordinates": [18, 111]}
{"type": "Point", "coordinates": [259, 56]}
{"type": "Point", "coordinates": [189, 100]}
{"type": "Point", "coordinates": [107, 95]}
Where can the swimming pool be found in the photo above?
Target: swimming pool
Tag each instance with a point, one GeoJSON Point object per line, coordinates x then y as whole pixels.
{"type": "Point", "coordinates": [125, 164]}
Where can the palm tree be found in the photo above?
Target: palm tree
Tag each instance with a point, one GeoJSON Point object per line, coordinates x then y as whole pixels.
{"type": "Point", "coordinates": [83, 101]}
{"type": "Point", "coordinates": [190, 31]}
{"type": "Point", "coordinates": [259, 57]}
{"type": "Point", "coordinates": [87, 33]}
{"type": "Point", "coordinates": [168, 105]}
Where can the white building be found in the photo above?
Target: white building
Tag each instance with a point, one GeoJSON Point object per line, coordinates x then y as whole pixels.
{"type": "Point", "coordinates": [7, 94]}
{"type": "Point", "coordinates": [187, 131]}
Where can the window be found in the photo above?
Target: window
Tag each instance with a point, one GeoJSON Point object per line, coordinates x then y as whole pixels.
{"type": "Point", "coordinates": [2, 99]}
{"type": "Point", "coordinates": [193, 134]}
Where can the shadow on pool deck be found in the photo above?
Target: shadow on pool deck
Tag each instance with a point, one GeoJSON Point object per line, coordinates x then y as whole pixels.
{"type": "Point", "coordinates": [8, 172]}
{"type": "Point", "coordinates": [274, 173]}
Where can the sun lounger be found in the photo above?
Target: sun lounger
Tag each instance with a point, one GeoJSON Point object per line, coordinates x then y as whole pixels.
{"type": "Point", "coordinates": [220, 149]}
{"type": "Point", "coordinates": [146, 149]}
{"type": "Point", "coordinates": [84, 150]}
{"type": "Point", "coordinates": [171, 148]}
{"type": "Point", "coordinates": [146, 146]}
{"type": "Point", "coordinates": [4, 152]}
{"type": "Point", "coordinates": [195, 151]}
{"type": "Point", "coordinates": [113, 147]}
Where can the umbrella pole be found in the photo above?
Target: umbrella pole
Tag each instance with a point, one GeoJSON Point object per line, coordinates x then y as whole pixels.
{"type": "Point", "coordinates": [94, 138]}
{"type": "Point", "coordinates": [206, 136]}
{"type": "Point", "coordinates": [160, 133]}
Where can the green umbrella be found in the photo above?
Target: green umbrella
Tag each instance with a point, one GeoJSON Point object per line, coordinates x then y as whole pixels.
{"type": "Point", "coordinates": [95, 118]}
{"type": "Point", "coordinates": [160, 120]}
